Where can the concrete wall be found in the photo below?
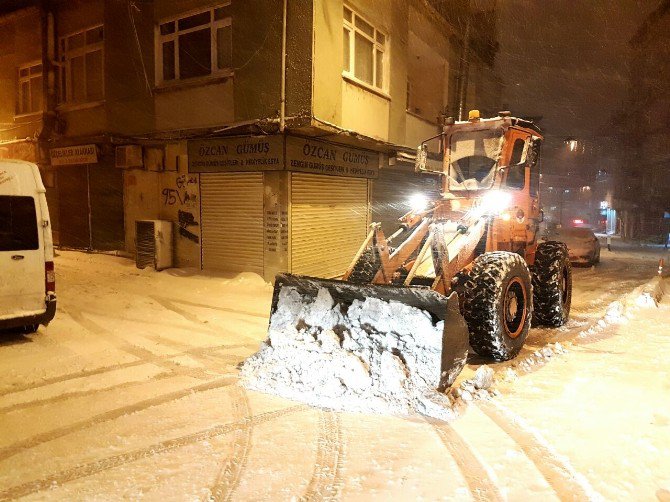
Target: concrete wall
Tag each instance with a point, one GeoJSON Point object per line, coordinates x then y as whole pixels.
{"type": "Point", "coordinates": [168, 195]}
{"type": "Point", "coordinates": [129, 67]}
{"type": "Point", "coordinates": [365, 112]}
{"type": "Point", "coordinates": [419, 130]}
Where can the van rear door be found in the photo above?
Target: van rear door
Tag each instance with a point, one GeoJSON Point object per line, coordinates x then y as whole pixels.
{"type": "Point", "coordinates": [21, 257]}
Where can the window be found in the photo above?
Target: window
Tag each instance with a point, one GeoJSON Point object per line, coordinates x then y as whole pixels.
{"type": "Point", "coordinates": [81, 55]}
{"type": "Point", "coordinates": [195, 45]}
{"type": "Point", "coordinates": [516, 170]}
{"type": "Point", "coordinates": [534, 162]}
{"type": "Point", "coordinates": [18, 223]}
{"type": "Point", "coordinates": [30, 89]}
{"type": "Point", "coordinates": [364, 48]}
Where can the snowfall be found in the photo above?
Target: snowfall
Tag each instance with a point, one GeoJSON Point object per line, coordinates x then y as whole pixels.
{"type": "Point", "coordinates": [134, 392]}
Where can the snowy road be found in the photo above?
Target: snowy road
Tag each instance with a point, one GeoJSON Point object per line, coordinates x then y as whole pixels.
{"type": "Point", "coordinates": [131, 393]}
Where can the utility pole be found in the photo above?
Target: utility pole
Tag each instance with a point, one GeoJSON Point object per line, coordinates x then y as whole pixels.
{"type": "Point", "coordinates": [464, 67]}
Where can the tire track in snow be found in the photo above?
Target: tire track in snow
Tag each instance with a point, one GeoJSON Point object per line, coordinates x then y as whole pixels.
{"type": "Point", "coordinates": [554, 468]}
{"type": "Point", "coordinates": [109, 369]}
{"type": "Point", "coordinates": [222, 309]}
{"type": "Point", "coordinates": [326, 482]}
{"type": "Point", "coordinates": [480, 478]}
{"type": "Point", "coordinates": [168, 304]}
{"type": "Point", "coordinates": [134, 350]}
{"type": "Point", "coordinates": [97, 466]}
{"type": "Point", "coordinates": [19, 446]}
{"type": "Point", "coordinates": [230, 473]}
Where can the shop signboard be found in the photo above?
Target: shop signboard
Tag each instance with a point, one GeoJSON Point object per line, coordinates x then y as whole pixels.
{"type": "Point", "coordinates": [249, 153]}
{"type": "Point", "coordinates": [308, 155]}
{"type": "Point", "coordinates": [74, 155]}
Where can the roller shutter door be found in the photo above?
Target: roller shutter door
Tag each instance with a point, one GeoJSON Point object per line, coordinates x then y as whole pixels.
{"type": "Point", "coordinates": [232, 221]}
{"type": "Point", "coordinates": [392, 190]}
{"type": "Point", "coordinates": [328, 223]}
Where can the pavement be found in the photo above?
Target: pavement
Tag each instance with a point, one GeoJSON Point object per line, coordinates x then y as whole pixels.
{"type": "Point", "coordinates": [132, 393]}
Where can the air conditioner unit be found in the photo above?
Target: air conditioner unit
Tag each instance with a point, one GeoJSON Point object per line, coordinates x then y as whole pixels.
{"type": "Point", "coordinates": [153, 244]}
{"type": "Point", "coordinates": [128, 156]}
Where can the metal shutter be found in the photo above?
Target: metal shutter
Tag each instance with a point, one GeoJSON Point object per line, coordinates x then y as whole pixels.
{"type": "Point", "coordinates": [392, 190]}
{"type": "Point", "coordinates": [328, 223]}
{"type": "Point", "coordinates": [232, 221]}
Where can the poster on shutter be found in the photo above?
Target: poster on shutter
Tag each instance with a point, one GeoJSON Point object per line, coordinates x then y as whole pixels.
{"type": "Point", "coordinates": [318, 157]}
{"type": "Point", "coordinates": [249, 153]}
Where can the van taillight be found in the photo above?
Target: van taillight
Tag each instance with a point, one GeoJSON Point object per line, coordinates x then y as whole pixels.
{"type": "Point", "coordinates": [49, 277]}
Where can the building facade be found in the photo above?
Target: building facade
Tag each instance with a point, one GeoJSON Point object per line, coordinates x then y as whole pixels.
{"type": "Point", "coordinates": [645, 132]}
{"type": "Point", "coordinates": [270, 132]}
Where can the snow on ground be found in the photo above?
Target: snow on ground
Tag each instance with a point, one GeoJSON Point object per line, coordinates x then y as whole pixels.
{"type": "Point", "coordinates": [132, 392]}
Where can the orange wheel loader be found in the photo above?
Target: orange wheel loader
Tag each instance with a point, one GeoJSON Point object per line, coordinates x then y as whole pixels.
{"type": "Point", "coordinates": [473, 254]}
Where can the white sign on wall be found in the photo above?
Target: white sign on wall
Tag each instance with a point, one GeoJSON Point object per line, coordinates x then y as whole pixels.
{"type": "Point", "coordinates": [72, 155]}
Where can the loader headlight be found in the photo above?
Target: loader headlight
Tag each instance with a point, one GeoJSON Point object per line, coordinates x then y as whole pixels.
{"type": "Point", "coordinates": [418, 202]}
{"type": "Point", "coordinates": [494, 202]}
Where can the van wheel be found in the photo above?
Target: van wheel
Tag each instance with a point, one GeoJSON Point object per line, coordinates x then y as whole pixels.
{"type": "Point", "coordinates": [30, 328]}
{"type": "Point", "coordinates": [497, 303]}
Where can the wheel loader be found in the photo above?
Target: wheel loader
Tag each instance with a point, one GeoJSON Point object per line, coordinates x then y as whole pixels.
{"type": "Point", "coordinates": [471, 255]}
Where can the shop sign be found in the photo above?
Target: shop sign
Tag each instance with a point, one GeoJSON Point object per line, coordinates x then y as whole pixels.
{"type": "Point", "coordinates": [312, 156]}
{"type": "Point", "coordinates": [250, 153]}
{"type": "Point", "coordinates": [72, 155]}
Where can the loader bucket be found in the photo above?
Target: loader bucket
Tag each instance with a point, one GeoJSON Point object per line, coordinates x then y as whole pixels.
{"type": "Point", "coordinates": [455, 337]}
{"type": "Point", "coordinates": [359, 347]}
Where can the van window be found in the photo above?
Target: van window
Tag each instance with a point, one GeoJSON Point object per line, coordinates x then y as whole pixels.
{"type": "Point", "coordinates": [18, 223]}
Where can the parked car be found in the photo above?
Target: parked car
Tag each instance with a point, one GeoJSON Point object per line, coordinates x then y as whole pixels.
{"type": "Point", "coordinates": [27, 279]}
{"type": "Point", "coordinates": [583, 245]}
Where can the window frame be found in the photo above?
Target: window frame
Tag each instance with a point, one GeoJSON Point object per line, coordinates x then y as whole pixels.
{"type": "Point", "coordinates": [19, 93]}
{"type": "Point", "coordinates": [377, 48]}
{"type": "Point", "coordinates": [65, 56]}
{"type": "Point", "coordinates": [213, 25]}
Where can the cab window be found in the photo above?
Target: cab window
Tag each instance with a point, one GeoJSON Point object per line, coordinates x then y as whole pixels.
{"type": "Point", "coordinates": [516, 170]}
{"type": "Point", "coordinates": [534, 163]}
{"type": "Point", "coordinates": [18, 223]}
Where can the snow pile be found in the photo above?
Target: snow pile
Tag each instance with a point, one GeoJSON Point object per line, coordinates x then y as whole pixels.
{"type": "Point", "coordinates": [477, 387]}
{"type": "Point", "coordinates": [378, 356]}
{"type": "Point", "coordinates": [540, 357]}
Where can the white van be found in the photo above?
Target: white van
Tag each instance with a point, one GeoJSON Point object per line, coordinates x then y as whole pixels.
{"type": "Point", "coordinates": [27, 279]}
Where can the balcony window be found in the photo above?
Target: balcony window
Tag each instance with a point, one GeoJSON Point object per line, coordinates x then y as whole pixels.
{"type": "Point", "coordinates": [364, 51]}
{"type": "Point", "coordinates": [81, 75]}
{"type": "Point", "coordinates": [195, 45]}
{"type": "Point", "coordinates": [30, 89]}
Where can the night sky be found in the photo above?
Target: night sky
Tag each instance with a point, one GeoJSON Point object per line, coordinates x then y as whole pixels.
{"type": "Point", "coordinates": [567, 61]}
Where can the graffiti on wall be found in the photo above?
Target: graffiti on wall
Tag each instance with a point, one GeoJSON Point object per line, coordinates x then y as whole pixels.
{"type": "Point", "coordinates": [186, 220]}
{"type": "Point", "coordinates": [184, 194]}
{"type": "Point", "coordinates": [184, 197]}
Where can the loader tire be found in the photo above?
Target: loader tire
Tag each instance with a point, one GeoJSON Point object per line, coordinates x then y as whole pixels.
{"type": "Point", "coordinates": [552, 284]}
{"type": "Point", "coordinates": [366, 267]}
{"type": "Point", "coordinates": [497, 303]}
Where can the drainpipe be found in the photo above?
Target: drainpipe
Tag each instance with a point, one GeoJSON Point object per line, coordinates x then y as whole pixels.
{"type": "Point", "coordinates": [48, 56]}
{"type": "Point", "coordinates": [282, 104]}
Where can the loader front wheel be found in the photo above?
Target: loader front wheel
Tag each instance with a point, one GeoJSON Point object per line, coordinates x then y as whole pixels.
{"type": "Point", "coordinates": [552, 284]}
{"type": "Point", "coordinates": [497, 304]}
{"type": "Point", "coordinates": [366, 267]}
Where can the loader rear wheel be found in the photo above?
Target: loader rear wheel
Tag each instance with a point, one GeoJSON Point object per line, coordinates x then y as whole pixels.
{"type": "Point", "coordinates": [497, 304]}
{"type": "Point", "coordinates": [552, 284]}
